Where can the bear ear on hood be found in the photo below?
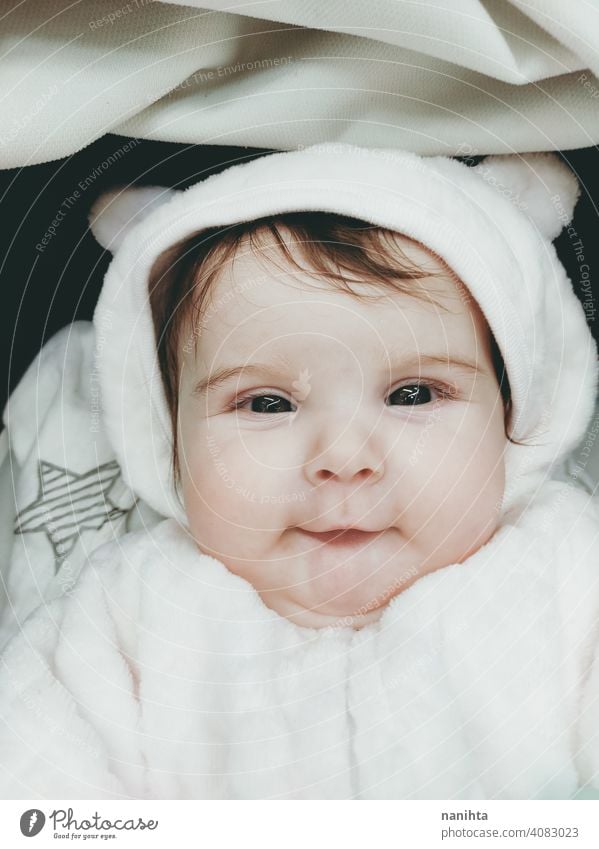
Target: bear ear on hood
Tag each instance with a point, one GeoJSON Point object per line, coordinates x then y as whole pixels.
{"type": "Point", "coordinates": [540, 184]}
{"type": "Point", "coordinates": [115, 213]}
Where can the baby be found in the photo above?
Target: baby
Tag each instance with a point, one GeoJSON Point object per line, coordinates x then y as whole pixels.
{"type": "Point", "coordinates": [348, 380]}
{"type": "Point", "coordinates": [340, 424]}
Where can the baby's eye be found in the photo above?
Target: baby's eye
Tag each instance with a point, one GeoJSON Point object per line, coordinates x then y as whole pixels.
{"type": "Point", "coordinates": [266, 404]}
{"type": "Point", "coordinates": [409, 395]}
{"type": "Point", "coordinates": [412, 394]}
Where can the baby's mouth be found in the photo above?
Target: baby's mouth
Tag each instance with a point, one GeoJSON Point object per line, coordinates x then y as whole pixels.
{"type": "Point", "coordinates": [343, 536]}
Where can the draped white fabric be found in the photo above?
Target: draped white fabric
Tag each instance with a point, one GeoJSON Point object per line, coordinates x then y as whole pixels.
{"type": "Point", "coordinates": [436, 77]}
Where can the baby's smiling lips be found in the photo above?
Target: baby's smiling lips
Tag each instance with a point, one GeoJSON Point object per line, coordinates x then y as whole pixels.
{"type": "Point", "coordinates": [342, 536]}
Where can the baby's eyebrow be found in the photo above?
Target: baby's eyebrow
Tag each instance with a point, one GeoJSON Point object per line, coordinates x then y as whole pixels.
{"type": "Point", "coordinates": [222, 375]}
{"type": "Point", "coordinates": [419, 360]}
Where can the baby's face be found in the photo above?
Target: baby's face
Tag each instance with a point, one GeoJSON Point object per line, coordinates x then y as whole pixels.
{"type": "Point", "coordinates": [305, 411]}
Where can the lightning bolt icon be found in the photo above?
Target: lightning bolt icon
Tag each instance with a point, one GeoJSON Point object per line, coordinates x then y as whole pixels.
{"type": "Point", "coordinates": [32, 820]}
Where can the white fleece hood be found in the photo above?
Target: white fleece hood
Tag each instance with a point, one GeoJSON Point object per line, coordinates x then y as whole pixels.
{"type": "Point", "coordinates": [492, 224]}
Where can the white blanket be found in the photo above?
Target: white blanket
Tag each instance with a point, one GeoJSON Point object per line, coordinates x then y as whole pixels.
{"type": "Point", "coordinates": [435, 77]}
{"type": "Point", "coordinates": [163, 675]}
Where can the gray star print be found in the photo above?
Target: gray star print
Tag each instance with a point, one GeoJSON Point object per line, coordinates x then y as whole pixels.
{"type": "Point", "coordinates": [69, 503]}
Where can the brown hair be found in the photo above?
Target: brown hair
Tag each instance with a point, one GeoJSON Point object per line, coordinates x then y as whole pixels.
{"type": "Point", "coordinates": [341, 249]}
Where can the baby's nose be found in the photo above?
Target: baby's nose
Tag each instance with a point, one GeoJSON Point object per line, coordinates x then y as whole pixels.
{"type": "Point", "coordinates": [348, 473]}
{"type": "Point", "coordinates": [350, 458]}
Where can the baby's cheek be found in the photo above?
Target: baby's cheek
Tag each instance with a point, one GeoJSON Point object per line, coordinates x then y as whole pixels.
{"type": "Point", "coordinates": [226, 486]}
{"type": "Point", "coordinates": [458, 492]}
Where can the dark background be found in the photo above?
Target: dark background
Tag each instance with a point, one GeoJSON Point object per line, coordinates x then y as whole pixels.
{"type": "Point", "coordinates": [45, 290]}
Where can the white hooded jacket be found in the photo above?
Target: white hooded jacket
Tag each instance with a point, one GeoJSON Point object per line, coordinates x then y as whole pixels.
{"type": "Point", "coordinates": [163, 675]}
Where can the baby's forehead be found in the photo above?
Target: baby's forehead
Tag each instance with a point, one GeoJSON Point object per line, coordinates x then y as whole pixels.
{"type": "Point", "coordinates": [261, 299]}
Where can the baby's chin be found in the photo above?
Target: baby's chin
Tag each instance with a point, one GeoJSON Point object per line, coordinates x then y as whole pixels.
{"type": "Point", "coordinates": [341, 588]}
{"type": "Point", "coordinates": [306, 617]}
{"type": "Point", "coordinates": [317, 584]}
